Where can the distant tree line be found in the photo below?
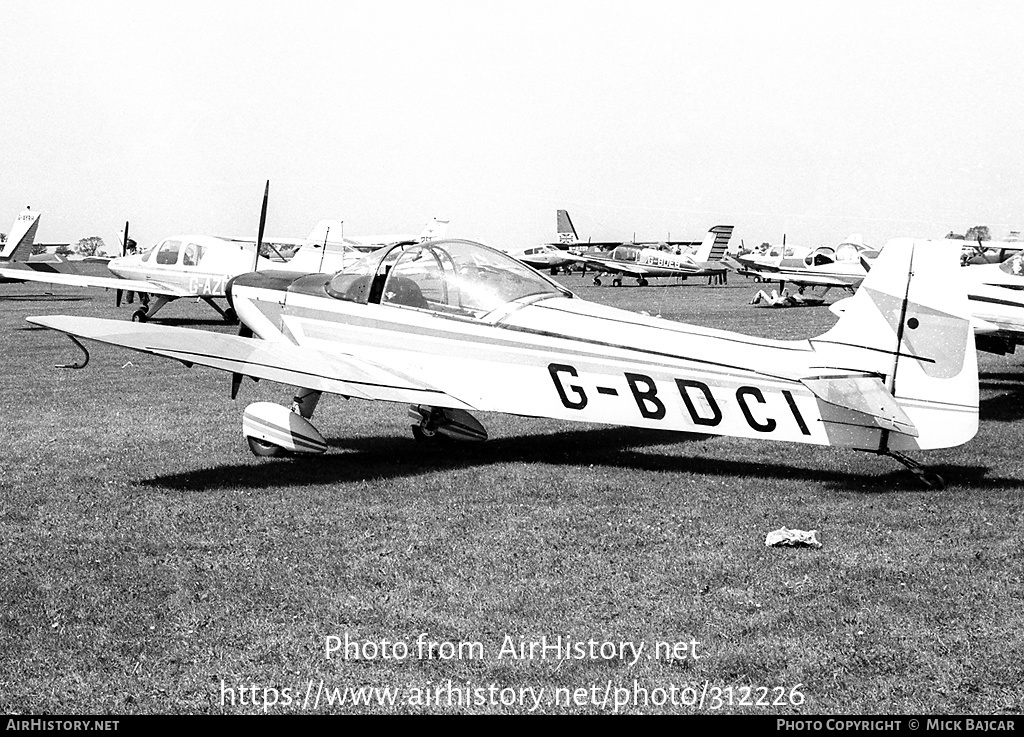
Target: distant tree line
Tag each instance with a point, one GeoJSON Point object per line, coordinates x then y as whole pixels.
{"type": "Point", "coordinates": [977, 233]}
{"type": "Point", "coordinates": [85, 247]}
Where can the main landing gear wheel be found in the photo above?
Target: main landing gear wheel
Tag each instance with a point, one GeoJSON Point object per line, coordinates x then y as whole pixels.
{"type": "Point", "coordinates": [264, 449]}
{"type": "Point", "coordinates": [425, 435]}
{"type": "Point", "coordinates": [597, 281]}
{"type": "Point", "coordinates": [230, 315]}
{"type": "Point", "coordinates": [616, 282]}
{"type": "Point", "coordinates": [643, 282]}
{"type": "Point", "coordinates": [140, 316]}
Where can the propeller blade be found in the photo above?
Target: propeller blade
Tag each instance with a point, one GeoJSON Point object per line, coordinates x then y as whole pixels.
{"type": "Point", "coordinates": [263, 222]}
{"type": "Point", "coordinates": [118, 294]}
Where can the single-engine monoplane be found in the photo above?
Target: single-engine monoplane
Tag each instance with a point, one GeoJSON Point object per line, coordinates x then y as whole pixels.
{"type": "Point", "coordinates": [453, 327]}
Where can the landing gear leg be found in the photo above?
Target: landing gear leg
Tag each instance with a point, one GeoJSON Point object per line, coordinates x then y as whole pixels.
{"type": "Point", "coordinates": [929, 478]}
{"type": "Point", "coordinates": [228, 314]}
{"type": "Point", "coordinates": [146, 312]}
{"type": "Point", "coordinates": [305, 401]}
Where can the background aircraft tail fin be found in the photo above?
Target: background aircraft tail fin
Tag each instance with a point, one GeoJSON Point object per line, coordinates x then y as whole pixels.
{"type": "Point", "coordinates": [434, 230]}
{"type": "Point", "coordinates": [327, 232]}
{"type": "Point", "coordinates": [21, 238]}
{"type": "Point", "coordinates": [909, 325]}
{"type": "Point", "coordinates": [714, 245]}
{"type": "Point", "coordinates": [566, 232]}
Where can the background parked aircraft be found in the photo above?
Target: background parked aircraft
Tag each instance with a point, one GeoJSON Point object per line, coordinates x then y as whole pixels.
{"type": "Point", "coordinates": [995, 296]}
{"type": "Point", "coordinates": [16, 253]}
{"type": "Point", "coordinates": [545, 256]}
{"type": "Point", "coordinates": [567, 239]}
{"type": "Point", "coordinates": [647, 263]}
{"type": "Point", "coordinates": [825, 266]}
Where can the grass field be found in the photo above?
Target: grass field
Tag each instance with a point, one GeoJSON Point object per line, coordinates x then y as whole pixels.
{"type": "Point", "coordinates": [152, 565]}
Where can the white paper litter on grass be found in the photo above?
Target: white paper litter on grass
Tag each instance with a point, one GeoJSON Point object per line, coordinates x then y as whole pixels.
{"type": "Point", "coordinates": [784, 537]}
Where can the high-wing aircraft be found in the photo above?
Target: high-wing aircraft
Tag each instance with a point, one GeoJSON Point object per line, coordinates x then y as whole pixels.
{"type": "Point", "coordinates": [453, 327]}
{"type": "Point", "coordinates": [647, 263]}
{"type": "Point", "coordinates": [825, 266]}
{"type": "Point", "coordinates": [197, 266]}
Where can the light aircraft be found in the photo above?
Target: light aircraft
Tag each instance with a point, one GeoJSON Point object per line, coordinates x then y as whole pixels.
{"type": "Point", "coordinates": [198, 266]}
{"type": "Point", "coordinates": [647, 263]}
{"type": "Point", "coordinates": [16, 253]}
{"type": "Point", "coordinates": [995, 297]}
{"type": "Point", "coordinates": [568, 240]}
{"type": "Point", "coordinates": [766, 256]}
{"type": "Point", "coordinates": [330, 234]}
{"type": "Point", "coordinates": [825, 266]}
{"type": "Point", "coordinates": [543, 257]}
{"type": "Point", "coordinates": [453, 327]}
{"type": "Point", "coordinates": [988, 252]}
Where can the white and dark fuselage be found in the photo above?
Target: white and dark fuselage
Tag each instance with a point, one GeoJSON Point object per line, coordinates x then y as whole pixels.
{"type": "Point", "coordinates": [450, 324]}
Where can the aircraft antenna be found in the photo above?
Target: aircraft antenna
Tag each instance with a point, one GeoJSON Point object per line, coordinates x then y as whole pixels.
{"type": "Point", "coordinates": [263, 222]}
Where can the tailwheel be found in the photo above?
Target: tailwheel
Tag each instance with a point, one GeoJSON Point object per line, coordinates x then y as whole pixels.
{"type": "Point", "coordinates": [929, 478]}
{"type": "Point", "coordinates": [140, 316]}
{"type": "Point", "coordinates": [264, 449]}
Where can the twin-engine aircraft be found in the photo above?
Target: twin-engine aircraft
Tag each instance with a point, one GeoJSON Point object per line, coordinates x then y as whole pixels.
{"type": "Point", "coordinates": [453, 327]}
{"type": "Point", "coordinates": [648, 263]}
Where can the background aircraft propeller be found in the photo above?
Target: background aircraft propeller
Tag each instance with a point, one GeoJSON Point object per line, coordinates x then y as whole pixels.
{"type": "Point", "coordinates": [124, 249]}
{"type": "Point", "coordinates": [244, 331]}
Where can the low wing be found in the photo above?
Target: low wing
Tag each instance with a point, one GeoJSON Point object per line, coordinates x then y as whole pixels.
{"type": "Point", "coordinates": [607, 264]}
{"type": "Point", "coordinates": [284, 363]}
{"type": "Point", "coordinates": [105, 282]}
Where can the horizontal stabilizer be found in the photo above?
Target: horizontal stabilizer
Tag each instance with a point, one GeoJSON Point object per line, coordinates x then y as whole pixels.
{"type": "Point", "coordinates": [863, 393]}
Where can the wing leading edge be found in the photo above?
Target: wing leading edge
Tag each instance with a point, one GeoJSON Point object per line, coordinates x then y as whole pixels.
{"type": "Point", "coordinates": [287, 364]}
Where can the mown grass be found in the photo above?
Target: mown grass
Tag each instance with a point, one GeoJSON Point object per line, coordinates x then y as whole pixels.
{"type": "Point", "coordinates": [148, 556]}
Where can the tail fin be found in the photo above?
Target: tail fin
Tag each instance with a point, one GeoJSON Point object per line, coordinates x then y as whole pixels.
{"type": "Point", "coordinates": [434, 230]}
{"type": "Point", "coordinates": [327, 232]}
{"type": "Point", "coordinates": [23, 234]}
{"type": "Point", "coordinates": [908, 329]}
{"type": "Point", "coordinates": [714, 245]}
{"type": "Point", "coordinates": [566, 233]}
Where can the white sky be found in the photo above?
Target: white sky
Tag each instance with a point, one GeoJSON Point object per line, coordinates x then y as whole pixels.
{"type": "Point", "coordinates": [814, 119]}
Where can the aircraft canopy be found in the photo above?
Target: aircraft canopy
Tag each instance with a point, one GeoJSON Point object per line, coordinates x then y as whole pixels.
{"type": "Point", "coordinates": [453, 277]}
